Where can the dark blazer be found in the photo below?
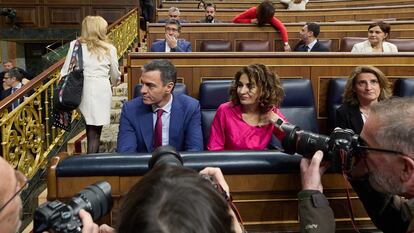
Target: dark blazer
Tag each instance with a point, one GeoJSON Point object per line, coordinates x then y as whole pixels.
{"type": "Point", "coordinates": [182, 46]}
{"type": "Point", "coordinates": [318, 47]}
{"type": "Point", "coordinates": [349, 117]}
{"type": "Point", "coordinates": [8, 92]}
{"type": "Point", "coordinates": [204, 21]}
{"type": "Point", "coordinates": [136, 126]}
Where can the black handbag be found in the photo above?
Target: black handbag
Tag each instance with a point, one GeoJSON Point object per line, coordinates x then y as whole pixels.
{"type": "Point", "coordinates": [68, 94]}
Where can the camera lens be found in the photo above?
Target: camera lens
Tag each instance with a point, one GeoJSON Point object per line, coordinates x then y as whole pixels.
{"type": "Point", "coordinates": [96, 199]}
{"type": "Point", "coordinates": [165, 155]}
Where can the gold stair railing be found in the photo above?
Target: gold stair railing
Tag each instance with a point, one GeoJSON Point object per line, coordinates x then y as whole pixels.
{"type": "Point", "coordinates": [27, 134]}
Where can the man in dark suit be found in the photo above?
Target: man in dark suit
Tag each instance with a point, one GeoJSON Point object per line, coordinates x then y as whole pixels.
{"type": "Point", "coordinates": [309, 41]}
{"type": "Point", "coordinates": [171, 43]}
{"type": "Point", "coordinates": [13, 78]}
{"type": "Point", "coordinates": [160, 117]}
{"type": "Point", "coordinates": [210, 12]}
{"type": "Point", "coordinates": [173, 13]}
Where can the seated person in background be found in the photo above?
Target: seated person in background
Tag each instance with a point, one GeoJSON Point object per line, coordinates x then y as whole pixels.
{"type": "Point", "coordinates": [13, 79]}
{"type": "Point", "coordinates": [173, 13]}
{"type": "Point", "coordinates": [171, 42]}
{"type": "Point", "coordinates": [201, 5]}
{"type": "Point", "coordinates": [309, 41]}
{"type": "Point", "coordinates": [295, 4]}
{"type": "Point", "coordinates": [252, 116]}
{"type": "Point", "coordinates": [8, 65]}
{"type": "Point", "coordinates": [160, 117]}
{"type": "Point", "coordinates": [366, 86]}
{"type": "Point", "coordinates": [262, 14]}
{"type": "Point", "coordinates": [377, 33]}
{"type": "Point", "coordinates": [210, 12]}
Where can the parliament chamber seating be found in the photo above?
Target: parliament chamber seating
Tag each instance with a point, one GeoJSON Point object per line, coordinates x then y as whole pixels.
{"type": "Point", "coordinates": [179, 88]}
{"type": "Point", "coordinates": [212, 93]}
{"type": "Point", "coordinates": [253, 46]}
{"type": "Point", "coordinates": [264, 184]}
{"type": "Point", "coordinates": [403, 45]}
{"type": "Point", "coordinates": [327, 43]}
{"type": "Point", "coordinates": [404, 87]}
{"type": "Point", "coordinates": [348, 42]}
{"type": "Point", "coordinates": [215, 46]}
{"type": "Point", "coordinates": [334, 99]}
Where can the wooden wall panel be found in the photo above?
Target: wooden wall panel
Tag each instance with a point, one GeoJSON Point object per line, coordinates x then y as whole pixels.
{"type": "Point", "coordinates": [63, 13]}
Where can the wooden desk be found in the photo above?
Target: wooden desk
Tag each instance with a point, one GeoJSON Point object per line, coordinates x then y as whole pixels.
{"type": "Point", "coordinates": [401, 12]}
{"type": "Point", "coordinates": [240, 4]}
{"type": "Point", "coordinates": [197, 32]}
{"type": "Point", "coordinates": [193, 68]}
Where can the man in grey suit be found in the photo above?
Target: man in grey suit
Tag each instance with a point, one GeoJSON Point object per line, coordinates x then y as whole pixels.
{"type": "Point", "coordinates": [210, 12]}
{"type": "Point", "coordinates": [309, 42]}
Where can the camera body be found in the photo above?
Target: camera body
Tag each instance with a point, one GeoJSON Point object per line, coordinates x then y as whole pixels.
{"type": "Point", "coordinates": [338, 148]}
{"type": "Point", "coordinates": [64, 218]}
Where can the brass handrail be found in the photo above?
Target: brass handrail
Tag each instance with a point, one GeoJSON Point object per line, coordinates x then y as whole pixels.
{"type": "Point", "coordinates": [27, 133]}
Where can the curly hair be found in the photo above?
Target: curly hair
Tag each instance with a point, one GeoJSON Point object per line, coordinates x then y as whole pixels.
{"type": "Point", "coordinates": [351, 98]}
{"type": "Point", "coordinates": [265, 12]}
{"type": "Point", "coordinates": [269, 87]}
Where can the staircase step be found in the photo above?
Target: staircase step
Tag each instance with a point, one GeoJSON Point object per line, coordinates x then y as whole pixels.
{"type": "Point", "coordinates": [109, 138]}
{"type": "Point", "coordinates": [118, 101]}
{"type": "Point", "coordinates": [115, 116]}
{"type": "Point", "coordinates": [120, 90]}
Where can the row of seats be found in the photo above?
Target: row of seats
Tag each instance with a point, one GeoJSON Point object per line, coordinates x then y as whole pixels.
{"type": "Point", "coordinates": [346, 44]}
{"type": "Point", "coordinates": [299, 109]}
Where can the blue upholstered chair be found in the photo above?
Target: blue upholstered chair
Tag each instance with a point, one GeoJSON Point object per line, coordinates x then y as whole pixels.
{"type": "Point", "coordinates": [334, 99]}
{"type": "Point", "coordinates": [212, 93]}
{"type": "Point", "coordinates": [404, 87]}
{"type": "Point", "coordinates": [179, 88]}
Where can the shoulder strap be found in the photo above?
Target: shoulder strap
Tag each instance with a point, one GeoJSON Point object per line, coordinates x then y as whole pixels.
{"type": "Point", "coordinates": [80, 55]}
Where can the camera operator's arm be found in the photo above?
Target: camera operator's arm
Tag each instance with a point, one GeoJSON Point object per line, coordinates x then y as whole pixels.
{"type": "Point", "coordinates": [314, 211]}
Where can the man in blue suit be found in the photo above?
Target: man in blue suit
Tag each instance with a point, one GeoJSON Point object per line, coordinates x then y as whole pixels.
{"type": "Point", "coordinates": [171, 42]}
{"type": "Point", "coordinates": [158, 110]}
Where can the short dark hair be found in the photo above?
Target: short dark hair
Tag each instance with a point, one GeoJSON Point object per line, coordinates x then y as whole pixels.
{"type": "Point", "coordinates": [313, 27]}
{"type": "Point", "coordinates": [265, 12]}
{"type": "Point", "coordinates": [174, 199]}
{"type": "Point", "coordinates": [209, 4]}
{"type": "Point", "coordinates": [14, 72]}
{"type": "Point", "coordinates": [165, 67]}
{"type": "Point", "coordinates": [270, 89]}
{"type": "Point", "coordinates": [175, 22]}
{"type": "Point", "coordinates": [385, 27]}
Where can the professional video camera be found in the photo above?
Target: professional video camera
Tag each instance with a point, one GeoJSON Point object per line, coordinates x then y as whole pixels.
{"type": "Point", "coordinates": [339, 147]}
{"type": "Point", "coordinates": [64, 218]}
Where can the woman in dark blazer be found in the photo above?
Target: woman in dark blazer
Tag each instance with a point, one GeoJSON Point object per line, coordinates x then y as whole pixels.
{"type": "Point", "coordinates": [366, 86]}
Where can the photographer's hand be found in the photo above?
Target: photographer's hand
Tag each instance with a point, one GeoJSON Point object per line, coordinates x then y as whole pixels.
{"type": "Point", "coordinates": [106, 229]}
{"type": "Point", "coordinates": [312, 170]}
{"type": "Point", "coordinates": [88, 225]}
{"type": "Point", "coordinates": [218, 177]}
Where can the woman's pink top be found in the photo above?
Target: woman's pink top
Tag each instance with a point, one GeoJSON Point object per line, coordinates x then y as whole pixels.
{"type": "Point", "coordinates": [230, 132]}
{"type": "Point", "coordinates": [248, 15]}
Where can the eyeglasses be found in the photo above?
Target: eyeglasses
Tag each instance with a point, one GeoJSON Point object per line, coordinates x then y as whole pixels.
{"type": "Point", "coordinates": [167, 29]}
{"type": "Point", "coordinates": [23, 182]}
{"type": "Point", "coordinates": [362, 149]}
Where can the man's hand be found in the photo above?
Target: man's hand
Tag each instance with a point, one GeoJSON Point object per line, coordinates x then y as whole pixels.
{"type": "Point", "coordinates": [287, 48]}
{"type": "Point", "coordinates": [88, 225]}
{"type": "Point", "coordinates": [106, 229]}
{"type": "Point", "coordinates": [311, 172]}
{"type": "Point", "coordinates": [171, 41]}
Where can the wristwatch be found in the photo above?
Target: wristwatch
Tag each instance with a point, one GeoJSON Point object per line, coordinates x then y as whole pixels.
{"type": "Point", "coordinates": [279, 123]}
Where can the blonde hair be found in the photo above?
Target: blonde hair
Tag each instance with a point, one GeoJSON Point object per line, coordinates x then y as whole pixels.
{"type": "Point", "coordinates": [93, 34]}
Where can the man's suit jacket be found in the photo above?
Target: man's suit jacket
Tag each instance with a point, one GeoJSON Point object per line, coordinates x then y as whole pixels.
{"type": "Point", "coordinates": [349, 117]}
{"type": "Point", "coordinates": [8, 92]}
{"type": "Point", "coordinates": [318, 47]}
{"type": "Point", "coordinates": [182, 46]}
{"type": "Point", "coordinates": [136, 126]}
{"type": "Point", "coordinates": [205, 21]}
